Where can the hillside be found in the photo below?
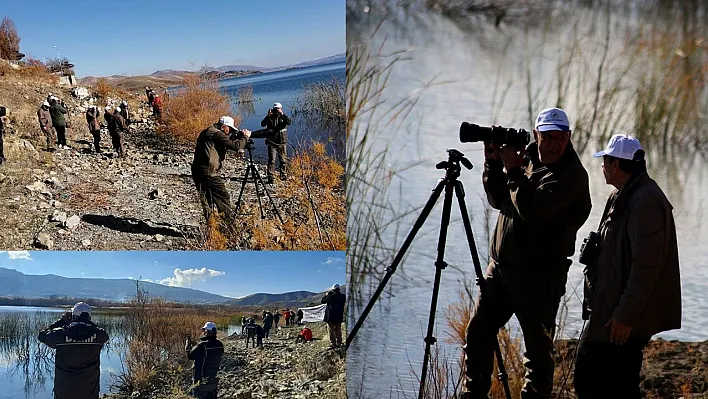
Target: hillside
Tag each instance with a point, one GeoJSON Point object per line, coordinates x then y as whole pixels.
{"type": "Point", "coordinates": [16, 284]}
{"type": "Point", "coordinates": [297, 298]}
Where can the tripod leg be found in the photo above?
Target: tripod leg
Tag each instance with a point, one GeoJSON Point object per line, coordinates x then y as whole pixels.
{"type": "Point", "coordinates": [240, 193]}
{"type": "Point", "coordinates": [272, 203]}
{"type": "Point", "coordinates": [439, 266]}
{"type": "Point", "coordinates": [258, 193]}
{"type": "Point", "coordinates": [460, 191]}
{"type": "Point", "coordinates": [397, 260]}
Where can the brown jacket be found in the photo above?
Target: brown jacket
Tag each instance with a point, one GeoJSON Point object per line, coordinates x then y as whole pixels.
{"type": "Point", "coordinates": [541, 210]}
{"type": "Point", "coordinates": [210, 151]}
{"type": "Point", "coordinates": [636, 279]}
{"type": "Point", "coordinates": [44, 117]}
{"type": "Point", "coordinates": [119, 122]}
{"type": "Point", "coordinates": [92, 118]}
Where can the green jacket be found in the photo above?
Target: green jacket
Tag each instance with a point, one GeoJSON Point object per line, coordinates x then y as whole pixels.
{"type": "Point", "coordinates": [541, 210]}
{"type": "Point", "coordinates": [57, 112]}
{"type": "Point", "coordinates": [210, 151]}
{"type": "Point", "coordinates": [636, 278]}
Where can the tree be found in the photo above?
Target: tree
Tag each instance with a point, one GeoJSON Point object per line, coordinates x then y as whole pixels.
{"type": "Point", "coordinates": [9, 39]}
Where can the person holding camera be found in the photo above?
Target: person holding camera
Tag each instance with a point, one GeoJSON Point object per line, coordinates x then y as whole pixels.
{"type": "Point", "coordinates": [209, 155]}
{"type": "Point", "coordinates": [276, 122]}
{"type": "Point", "coordinates": [57, 111]}
{"type": "Point", "coordinates": [334, 315]}
{"type": "Point", "coordinates": [543, 195]}
{"type": "Point", "coordinates": [77, 363]}
{"type": "Point", "coordinates": [45, 124]}
{"type": "Point", "coordinates": [206, 354]}
{"type": "Point", "coordinates": [94, 126]}
{"type": "Point", "coordinates": [632, 280]}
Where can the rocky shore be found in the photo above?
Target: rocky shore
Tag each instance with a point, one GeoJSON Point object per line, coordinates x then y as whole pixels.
{"type": "Point", "coordinates": [281, 369]}
{"type": "Point", "coordinates": [75, 199]}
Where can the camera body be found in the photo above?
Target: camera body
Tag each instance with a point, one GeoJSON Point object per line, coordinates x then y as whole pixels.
{"type": "Point", "coordinates": [470, 132]}
{"type": "Point", "coordinates": [590, 249]}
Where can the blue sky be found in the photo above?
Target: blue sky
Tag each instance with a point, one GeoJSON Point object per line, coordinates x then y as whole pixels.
{"type": "Point", "coordinates": [233, 274]}
{"type": "Point", "coordinates": [104, 38]}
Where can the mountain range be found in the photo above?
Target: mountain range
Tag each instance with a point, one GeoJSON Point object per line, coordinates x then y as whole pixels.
{"type": "Point", "coordinates": [227, 68]}
{"type": "Point", "coordinates": [17, 284]}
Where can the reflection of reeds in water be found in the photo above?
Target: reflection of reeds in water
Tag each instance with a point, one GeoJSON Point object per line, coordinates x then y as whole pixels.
{"type": "Point", "coordinates": [322, 109]}
{"type": "Point", "coordinates": [245, 95]}
{"type": "Point", "coordinates": [247, 108]}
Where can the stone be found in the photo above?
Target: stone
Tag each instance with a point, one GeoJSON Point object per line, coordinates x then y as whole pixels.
{"type": "Point", "coordinates": [58, 216]}
{"type": "Point", "coordinates": [86, 242]}
{"type": "Point", "coordinates": [159, 237]}
{"type": "Point", "coordinates": [43, 241]}
{"type": "Point", "coordinates": [72, 222]}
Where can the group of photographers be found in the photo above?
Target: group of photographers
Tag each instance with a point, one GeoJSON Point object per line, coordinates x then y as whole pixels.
{"type": "Point", "coordinates": [210, 152]}
{"type": "Point", "coordinates": [632, 285]}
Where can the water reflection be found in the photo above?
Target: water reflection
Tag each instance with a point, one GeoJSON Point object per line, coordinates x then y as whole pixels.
{"type": "Point", "coordinates": [614, 69]}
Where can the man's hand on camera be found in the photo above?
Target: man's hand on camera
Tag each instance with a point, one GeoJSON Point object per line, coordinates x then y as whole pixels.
{"type": "Point", "coordinates": [491, 151]}
{"type": "Point", "coordinates": [246, 133]}
{"type": "Point", "coordinates": [512, 157]}
{"type": "Point", "coordinates": [67, 317]}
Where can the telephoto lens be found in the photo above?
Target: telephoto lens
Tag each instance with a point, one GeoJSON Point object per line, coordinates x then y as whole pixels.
{"type": "Point", "coordinates": [470, 133]}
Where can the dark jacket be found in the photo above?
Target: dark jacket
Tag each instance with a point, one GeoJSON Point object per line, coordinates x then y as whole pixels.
{"type": "Point", "coordinates": [110, 122]}
{"type": "Point", "coordinates": [77, 363]}
{"type": "Point", "coordinates": [57, 112]}
{"type": "Point", "coordinates": [207, 355]}
{"type": "Point", "coordinates": [44, 117]}
{"type": "Point", "coordinates": [541, 210]}
{"type": "Point", "coordinates": [92, 116]}
{"type": "Point", "coordinates": [210, 150]}
{"type": "Point", "coordinates": [124, 112]}
{"type": "Point", "coordinates": [268, 321]}
{"type": "Point", "coordinates": [277, 126]}
{"type": "Point", "coordinates": [636, 278]}
{"type": "Point", "coordinates": [335, 301]}
{"type": "Point", "coordinates": [119, 122]}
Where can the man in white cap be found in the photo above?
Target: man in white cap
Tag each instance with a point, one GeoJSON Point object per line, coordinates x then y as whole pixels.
{"type": "Point", "coordinates": [118, 135]}
{"type": "Point", "coordinates": [207, 355]}
{"type": "Point", "coordinates": [124, 112]}
{"type": "Point", "coordinates": [276, 123]}
{"type": "Point", "coordinates": [209, 155]}
{"type": "Point", "coordinates": [77, 363]}
{"type": "Point", "coordinates": [334, 315]}
{"type": "Point", "coordinates": [45, 123]}
{"type": "Point", "coordinates": [94, 126]}
{"type": "Point", "coordinates": [543, 195]}
{"type": "Point", "coordinates": [632, 279]}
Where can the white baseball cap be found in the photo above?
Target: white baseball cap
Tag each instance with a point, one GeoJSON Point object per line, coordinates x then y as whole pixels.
{"type": "Point", "coordinates": [108, 107]}
{"type": "Point", "coordinates": [80, 308]}
{"type": "Point", "coordinates": [228, 121]}
{"type": "Point", "coordinates": [209, 326]}
{"type": "Point", "coordinates": [621, 146]}
{"type": "Point", "coordinates": [118, 109]}
{"type": "Point", "coordinates": [334, 287]}
{"type": "Point", "coordinates": [278, 105]}
{"type": "Point", "coordinates": [551, 119]}
{"type": "Point", "coordinates": [45, 103]}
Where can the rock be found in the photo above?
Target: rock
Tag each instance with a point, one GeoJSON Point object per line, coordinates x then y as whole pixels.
{"type": "Point", "coordinates": [159, 237]}
{"type": "Point", "coordinates": [43, 205]}
{"type": "Point", "coordinates": [156, 193]}
{"type": "Point", "coordinates": [37, 187]}
{"type": "Point", "coordinates": [86, 242]}
{"type": "Point", "coordinates": [43, 241]}
{"type": "Point", "coordinates": [55, 203]}
{"type": "Point", "coordinates": [72, 222]}
{"type": "Point", "coordinates": [58, 216]}
{"type": "Point", "coordinates": [2, 178]}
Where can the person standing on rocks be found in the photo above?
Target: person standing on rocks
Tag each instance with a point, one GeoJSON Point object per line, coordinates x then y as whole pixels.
{"type": "Point", "coordinates": [300, 315]}
{"type": "Point", "coordinates": [124, 112]}
{"type": "Point", "coordinates": [45, 123]}
{"type": "Point", "coordinates": [209, 155]}
{"type": "Point", "coordinates": [334, 315]}
{"type": "Point", "coordinates": [276, 318]}
{"type": "Point", "coordinates": [150, 95]}
{"type": "Point", "coordinates": [77, 362]}
{"type": "Point", "coordinates": [206, 354]}
{"type": "Point", "coordinates": [57, 111]}
{"type": "Point", "coordinates": [94, 126]}
{"type": "Point", "coordinates": [3, 111]}
{"type": "Point", "coordinates": [157, 107]}
{"type": "Point", "coordinates": [632, 278]}
{"type": "Point", "coordinates": [276, 122]}
{"type": "Point", "coordinates": [120, 129]}
{"type": "Point", "coordinates": [267, 323]}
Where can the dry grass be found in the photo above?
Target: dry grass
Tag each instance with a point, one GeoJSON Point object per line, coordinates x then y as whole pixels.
{"type": "Point", "coordinates": [197, 104]}
{"type": "Point", "coordinates": [245, 95]}
{"type": "Point", "coordinates": [32, 72]}
{"type": "Point", "coordinates": [89, 195]}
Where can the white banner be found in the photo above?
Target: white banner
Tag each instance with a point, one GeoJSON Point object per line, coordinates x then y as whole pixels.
{"type": "Point", "coordinates": [314, 313]}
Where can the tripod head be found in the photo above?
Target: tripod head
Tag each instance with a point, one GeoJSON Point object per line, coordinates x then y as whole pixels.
{"type": "Point", "coordinates": [454, 159]}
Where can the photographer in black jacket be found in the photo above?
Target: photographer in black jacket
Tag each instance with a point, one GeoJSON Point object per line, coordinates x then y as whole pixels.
{"type": "Point", "coordinates": [77, 363]}
{"type": "Point", "coordinates": [276, 122]}
{"type": "Point", "coordinates": [334, 315]}
{"type": "Point", "coordinates": [207, 355]}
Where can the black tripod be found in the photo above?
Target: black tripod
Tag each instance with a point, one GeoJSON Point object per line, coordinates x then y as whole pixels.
{"type": "Point", "coordinates": [449, 183]}
{"type": "Point", "coordinates": [251, 168]}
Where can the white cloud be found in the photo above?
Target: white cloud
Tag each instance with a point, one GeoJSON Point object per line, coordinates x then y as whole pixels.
{"type": "Point", "coordinates": [331, 260]}
{"type": "Point", "coordinates": [15, 255]}
{"type": "Point", "coordinates": [185, 278]}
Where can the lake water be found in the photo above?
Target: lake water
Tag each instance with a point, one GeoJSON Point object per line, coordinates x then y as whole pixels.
{"type": "Point", "coordinates": [471, 68]}
{"type": "Point", "coordinates": [284, 87]}
{"type": "Point", "coordinates": [27, 365]}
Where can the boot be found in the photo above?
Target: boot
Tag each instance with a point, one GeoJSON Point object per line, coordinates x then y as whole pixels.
{"type": "Point", "coordinates": [269, 179]}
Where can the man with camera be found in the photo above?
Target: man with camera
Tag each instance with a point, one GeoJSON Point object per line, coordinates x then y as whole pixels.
{"type": "Point", "coordinates": [45, 123]}
{"type": "Point", "coordinates": [206, 355]}
{"type": "Point", "coordinates": [209, 155]}
{"type": "Point", "coordinates": [334, 315]}
{"type": "Point", "coordinates": [57, 110]}
{"type": "Point", "coordinates": [632, 279]}
{"type": "Point", "coordinates": [543, 195]}
{"type": "Point", "coordinates": [276, 123]}
{"type": "Point", "coordinates": [3, 111]}
{"type": "Point", "coordinates": [77, 363]}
